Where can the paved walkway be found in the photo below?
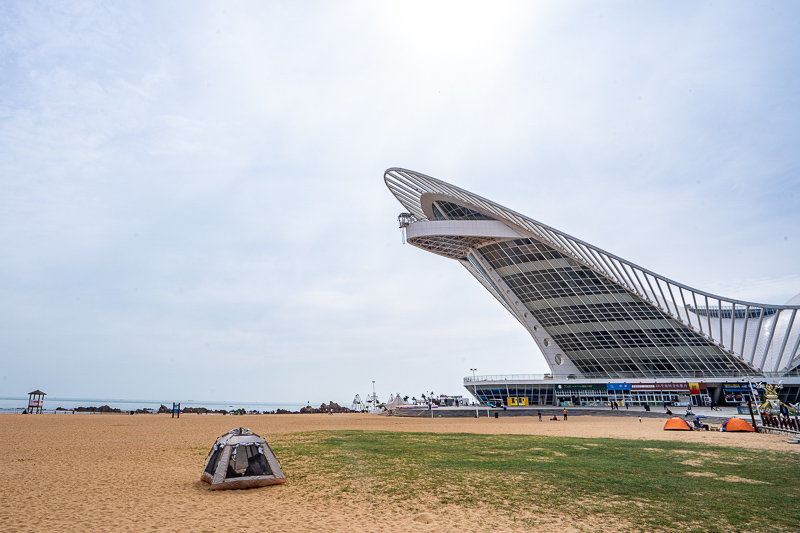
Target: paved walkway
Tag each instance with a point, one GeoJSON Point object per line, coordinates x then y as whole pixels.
{"type": "Point", "coordinates": [715, 416]}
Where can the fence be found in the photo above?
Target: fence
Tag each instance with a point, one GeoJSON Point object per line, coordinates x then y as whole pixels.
{"type": "Point", "coordinates": [783, 425]}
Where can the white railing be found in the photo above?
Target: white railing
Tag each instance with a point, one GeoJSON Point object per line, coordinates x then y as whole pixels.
{"type": "Point", "coordinates": [541, 377]}
{"type": "Point", "coordinates": [510, 377]}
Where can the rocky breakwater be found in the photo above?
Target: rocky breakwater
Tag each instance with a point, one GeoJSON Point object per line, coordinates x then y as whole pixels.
{"type": "Point", "coordinates": [163, 409]}
{"type": "Point", "coordinates": [331, 407]}
{"type": "Point", "coordinates": [101, 409]}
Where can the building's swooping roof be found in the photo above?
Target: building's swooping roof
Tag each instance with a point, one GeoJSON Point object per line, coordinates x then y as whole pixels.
{"type": "Point", "coordinates": [750, 337]}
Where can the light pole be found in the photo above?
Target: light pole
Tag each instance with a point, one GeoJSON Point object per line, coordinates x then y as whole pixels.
{"type": "Point", "coordinates": [374, 396]}
{"type": "Point", "coordinates": [473, 393]}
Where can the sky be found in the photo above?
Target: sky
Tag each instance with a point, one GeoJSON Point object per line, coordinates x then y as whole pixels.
{"type": "Point", "coordinates": [192, 202]}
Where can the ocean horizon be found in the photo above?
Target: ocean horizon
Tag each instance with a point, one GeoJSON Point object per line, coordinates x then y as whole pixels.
{"type": "Point", "coordinates": [12, 404]}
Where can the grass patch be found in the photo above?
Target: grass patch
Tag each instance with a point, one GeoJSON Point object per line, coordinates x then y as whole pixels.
{"type": "Point", "coordinates": [638, 485]}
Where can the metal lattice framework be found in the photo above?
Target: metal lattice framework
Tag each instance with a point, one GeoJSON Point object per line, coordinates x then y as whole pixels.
{"type": "Point", "coordinates": [358, 405]}
{"type": "Point", "coordinates": [764, 337]}
{"type": "Point", "coordinates": [454, 247]}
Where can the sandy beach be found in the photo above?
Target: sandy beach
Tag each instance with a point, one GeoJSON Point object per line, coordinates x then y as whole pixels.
{"type": "Point", "coordinates": [141, 473]}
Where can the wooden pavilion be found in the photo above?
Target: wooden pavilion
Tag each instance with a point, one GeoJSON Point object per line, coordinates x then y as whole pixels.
{"type": "Point", "coordinates": [36, 401]}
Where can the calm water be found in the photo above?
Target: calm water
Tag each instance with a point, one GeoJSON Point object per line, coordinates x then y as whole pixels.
{"type": "Point", "coordinates": [14, 404]}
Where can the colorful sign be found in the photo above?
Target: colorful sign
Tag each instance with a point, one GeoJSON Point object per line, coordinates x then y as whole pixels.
{"type": "Point", "coordinates": [648, 386]}
{"type": "Point", "coordinates": [739, 387]}
{"type": "Point", "coordinates": [660, 386]}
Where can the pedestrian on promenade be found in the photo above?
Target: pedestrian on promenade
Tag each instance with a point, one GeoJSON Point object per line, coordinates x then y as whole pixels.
{"type": "Point", "coordinates": [540, 415]}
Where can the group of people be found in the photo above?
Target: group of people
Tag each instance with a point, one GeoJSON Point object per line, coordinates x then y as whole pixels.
{"type": "Point", "coordinates": [554, 416]}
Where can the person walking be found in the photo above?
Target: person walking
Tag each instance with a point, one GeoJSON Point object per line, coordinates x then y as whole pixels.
{"type": "Point", "coordinates": [540, 415]}
{"type": "Point", "coordinates": [565, 413]}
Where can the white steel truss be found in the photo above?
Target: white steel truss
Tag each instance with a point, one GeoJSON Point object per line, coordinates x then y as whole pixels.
{"type": "Point", "coordinates": [763, 336]}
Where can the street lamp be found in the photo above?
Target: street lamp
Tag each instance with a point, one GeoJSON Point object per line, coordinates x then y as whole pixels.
{"type": "Point", "coordinates": [474, 393]}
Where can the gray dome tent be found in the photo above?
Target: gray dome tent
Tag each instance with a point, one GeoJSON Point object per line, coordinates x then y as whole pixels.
{"type": "Point", "coordinates": [241, 460]}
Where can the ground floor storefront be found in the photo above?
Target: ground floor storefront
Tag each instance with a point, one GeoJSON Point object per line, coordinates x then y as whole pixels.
{"type": "Point", "coordinates": [517, 393]}
{"type": "Point", "coordinates": [629, 394]}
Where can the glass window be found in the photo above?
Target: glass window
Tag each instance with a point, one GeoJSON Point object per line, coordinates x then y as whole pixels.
{"type": "Point", "coordinates": [444, 210]}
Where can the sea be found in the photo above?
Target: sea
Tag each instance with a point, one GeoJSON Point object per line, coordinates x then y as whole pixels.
{"type": "Point", "coordinates": [19, 403]}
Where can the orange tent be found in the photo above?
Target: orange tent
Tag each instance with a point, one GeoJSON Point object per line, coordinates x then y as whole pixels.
{"type": "Point", "coordinates": [677, 424]}
{"type": "Point", "coordinates": [736, 424]}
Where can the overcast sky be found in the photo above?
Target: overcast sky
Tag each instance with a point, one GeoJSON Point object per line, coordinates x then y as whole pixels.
{"type": "Point", "coordinates": [192, 202]}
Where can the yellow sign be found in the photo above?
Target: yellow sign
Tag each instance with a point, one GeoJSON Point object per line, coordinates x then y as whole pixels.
{"type": "Point", "coordinates": [516, 401]}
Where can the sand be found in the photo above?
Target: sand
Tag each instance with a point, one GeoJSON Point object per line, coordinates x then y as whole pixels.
{"type": "Point", "coordinates": [70, 473]}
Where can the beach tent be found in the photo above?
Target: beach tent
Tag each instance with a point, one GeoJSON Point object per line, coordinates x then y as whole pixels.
{"type": "Point", "coordinates": [395, 402]}
{"type": "Point", "coordinates": [677, 424]}
{"type": "Point", "coordinates": [241, 460]}
{"type": "Point", "coordinates": [736, 424]}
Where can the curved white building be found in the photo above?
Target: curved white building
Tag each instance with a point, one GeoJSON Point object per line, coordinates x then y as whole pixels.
{"type": "Point", "coordinates": [593, 314]}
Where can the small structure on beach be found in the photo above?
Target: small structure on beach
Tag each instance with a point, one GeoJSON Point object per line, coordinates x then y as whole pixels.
{"type": "Point", "coordinates": [736, 424]}
{"type": "Point", "coordinates": [677, 424]}
{"type": "Point", "coordinates": [395, 402]}
{"type": "Point", "coordinates": [241, 460]}
{"type": "Point", "coordinates": [36, 401]}
{"type": "Point", "coordinates": [358, 405]}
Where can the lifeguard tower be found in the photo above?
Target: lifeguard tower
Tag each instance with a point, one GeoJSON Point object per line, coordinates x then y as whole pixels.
{"type": "Point", "coordinates": [36, 401]}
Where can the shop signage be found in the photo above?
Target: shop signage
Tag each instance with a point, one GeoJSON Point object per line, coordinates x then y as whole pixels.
{"type": "Point", "coordinates": [738, 387]}
{"type": "Point", "coordinates": [660, 386]}
{"type": "Point", "coordinates": [648, 386]}
{"type": "Point", "coordinates": [582, 386]}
